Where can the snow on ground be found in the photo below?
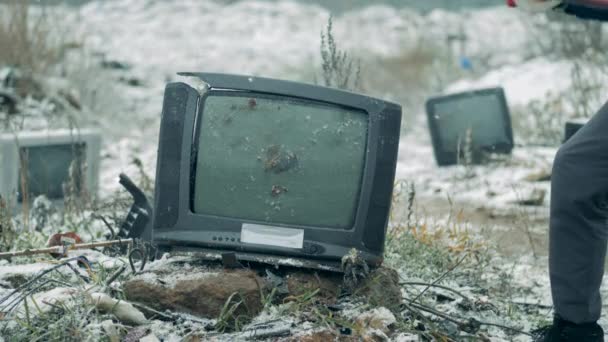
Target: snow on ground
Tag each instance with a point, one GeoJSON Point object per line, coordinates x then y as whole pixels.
{"type": "Point", "coordinates": [523, 82]}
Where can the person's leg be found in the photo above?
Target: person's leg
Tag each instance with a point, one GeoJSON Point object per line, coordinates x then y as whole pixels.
{"type": "Point", "coordinates": [579, 222]}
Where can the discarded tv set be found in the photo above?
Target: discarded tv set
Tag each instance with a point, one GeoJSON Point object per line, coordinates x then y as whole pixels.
{"type": "Point", "coordinates": [258, 168]}
{"type": "Point", "coordinates": [34, 163]}
{"type": "Point", "coordinates": [469, 126]}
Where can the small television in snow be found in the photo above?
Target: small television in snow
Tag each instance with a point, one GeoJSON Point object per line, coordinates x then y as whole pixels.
{"type": "Point", "coordinates": [476, 123]}
{"type": "Point", "coordinates": [34, 163]}
{"type": "Point", "coordinates": [261, 168]}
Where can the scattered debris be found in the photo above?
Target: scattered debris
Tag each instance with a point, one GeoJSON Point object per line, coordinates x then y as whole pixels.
{"type": "Point", "coordinates": [355, 269]}
{"type": "Point", "coordinates": [63, 249]}
{"type": "Point", "coordinates": [140, 212]}
{"type": "Point", "coordinates": [265, 330]}
{"type": "Point", "coordinates": [135, 334]}
{"type": "Point", "coordinates": [116, 65]}
{"type": "Point", "coordinates": [64, 240]}
{"type": "Point", "coordinates": [124, 311]}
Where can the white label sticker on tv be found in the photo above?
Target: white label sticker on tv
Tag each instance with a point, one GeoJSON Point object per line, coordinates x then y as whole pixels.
{"type": "Point", "coordinates": [272, 236]}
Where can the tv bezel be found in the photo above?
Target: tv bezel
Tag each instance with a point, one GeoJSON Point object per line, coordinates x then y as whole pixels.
{"type": "Point", "coordinates": [373, 207]}
{"type": "Point", "coordinates": [10, 143]}
{"type": "Point", "coordinates": [445, 157]}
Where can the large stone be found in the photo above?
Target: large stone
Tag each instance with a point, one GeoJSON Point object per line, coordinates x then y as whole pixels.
{"type": "Point", "coordinates": [327, 285]}
{"type": "Point", "coordinates": [381, 289]}
{"type": "Point", "coordinates": [201, 293]}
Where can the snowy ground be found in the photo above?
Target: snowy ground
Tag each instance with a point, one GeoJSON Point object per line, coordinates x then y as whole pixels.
{"type": "Point", "coordinates": [159, 38]}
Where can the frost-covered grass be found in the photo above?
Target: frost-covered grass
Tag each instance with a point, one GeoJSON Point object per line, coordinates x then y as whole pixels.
{"type": "Point", "coordinates": [28, 40]}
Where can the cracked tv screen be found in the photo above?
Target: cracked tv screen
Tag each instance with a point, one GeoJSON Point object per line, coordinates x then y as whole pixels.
{"type": "Point", "coordinates": [279, 160]}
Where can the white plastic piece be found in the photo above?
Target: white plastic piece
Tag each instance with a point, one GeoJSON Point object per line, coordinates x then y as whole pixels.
{"type": "Point", "coordinates": [272, 236]}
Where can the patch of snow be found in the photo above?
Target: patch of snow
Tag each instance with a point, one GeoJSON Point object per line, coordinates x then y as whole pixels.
{"type": "Point", "coordinates": [44, 301]}
{"type": "Point", "coordinates": [524, 82]}
{"type": "Point", "coordinates": [25, 270]}
{"type": "Point", "coordinates": [377, 318]}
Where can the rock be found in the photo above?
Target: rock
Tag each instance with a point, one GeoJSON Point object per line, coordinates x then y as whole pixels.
{"type": "Point", "coordinates": [199, 293]}
{"type": "Point", "coordinates": [124, 311]}
{"type": "Point", "coordinates": [381, 289]}
{"type": "Point", "coordinates": [135, 334]}
{"type": "Point", "coordinates": [112, 330]}
{"type": "Point", "coordinates": [328, 285]}
{"type": "Point", "coordinates": [149, 338]}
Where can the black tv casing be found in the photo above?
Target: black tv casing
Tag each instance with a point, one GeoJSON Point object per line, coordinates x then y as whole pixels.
{"type": "Point", "coordinates": [176, 227]}
{"type": "Point", "coordinates": [570, 128]}
{"type": "Point", "coordinates": [444, 157]}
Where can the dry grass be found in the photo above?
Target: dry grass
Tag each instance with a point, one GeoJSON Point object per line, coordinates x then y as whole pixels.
{"type": "Point", "coordinates": [29, 39]}
{"type": "Point", "coordinates": [419, 71]}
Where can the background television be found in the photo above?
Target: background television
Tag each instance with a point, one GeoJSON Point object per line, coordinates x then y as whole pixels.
{"type": "Point", "coordinates": [484, 113]}
{"type": "Point", "coordinates": [264, 167]}
{"type": "Point", "coordinates": [39, 162]}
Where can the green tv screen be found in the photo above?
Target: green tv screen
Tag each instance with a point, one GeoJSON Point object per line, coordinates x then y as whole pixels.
{"type": "Point", "coordinates": [47, 169]}
{"type": "Point", "coordinates": [481, 114]}
{"type": "Point", "coordinates": [272, 159]}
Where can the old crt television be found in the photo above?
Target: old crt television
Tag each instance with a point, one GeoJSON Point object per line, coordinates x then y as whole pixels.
{"type": "Point", "coordinates": [475, 121]}
{"type": "Point", "coordinates": [259, 167]}
{"type": "Point", "coordinates": [34, 163]}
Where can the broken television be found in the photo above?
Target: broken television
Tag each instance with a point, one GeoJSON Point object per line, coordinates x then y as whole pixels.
{"type": "Point", "coordinates": [469, 127]}
{"type": "Point", "coordinates": [51, 163]}
{"type": "Point", "coordinates": [266, 169]}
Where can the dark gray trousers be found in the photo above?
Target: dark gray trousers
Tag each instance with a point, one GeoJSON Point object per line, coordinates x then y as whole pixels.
{"type": "Point", "coordinates": [579, 222]}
